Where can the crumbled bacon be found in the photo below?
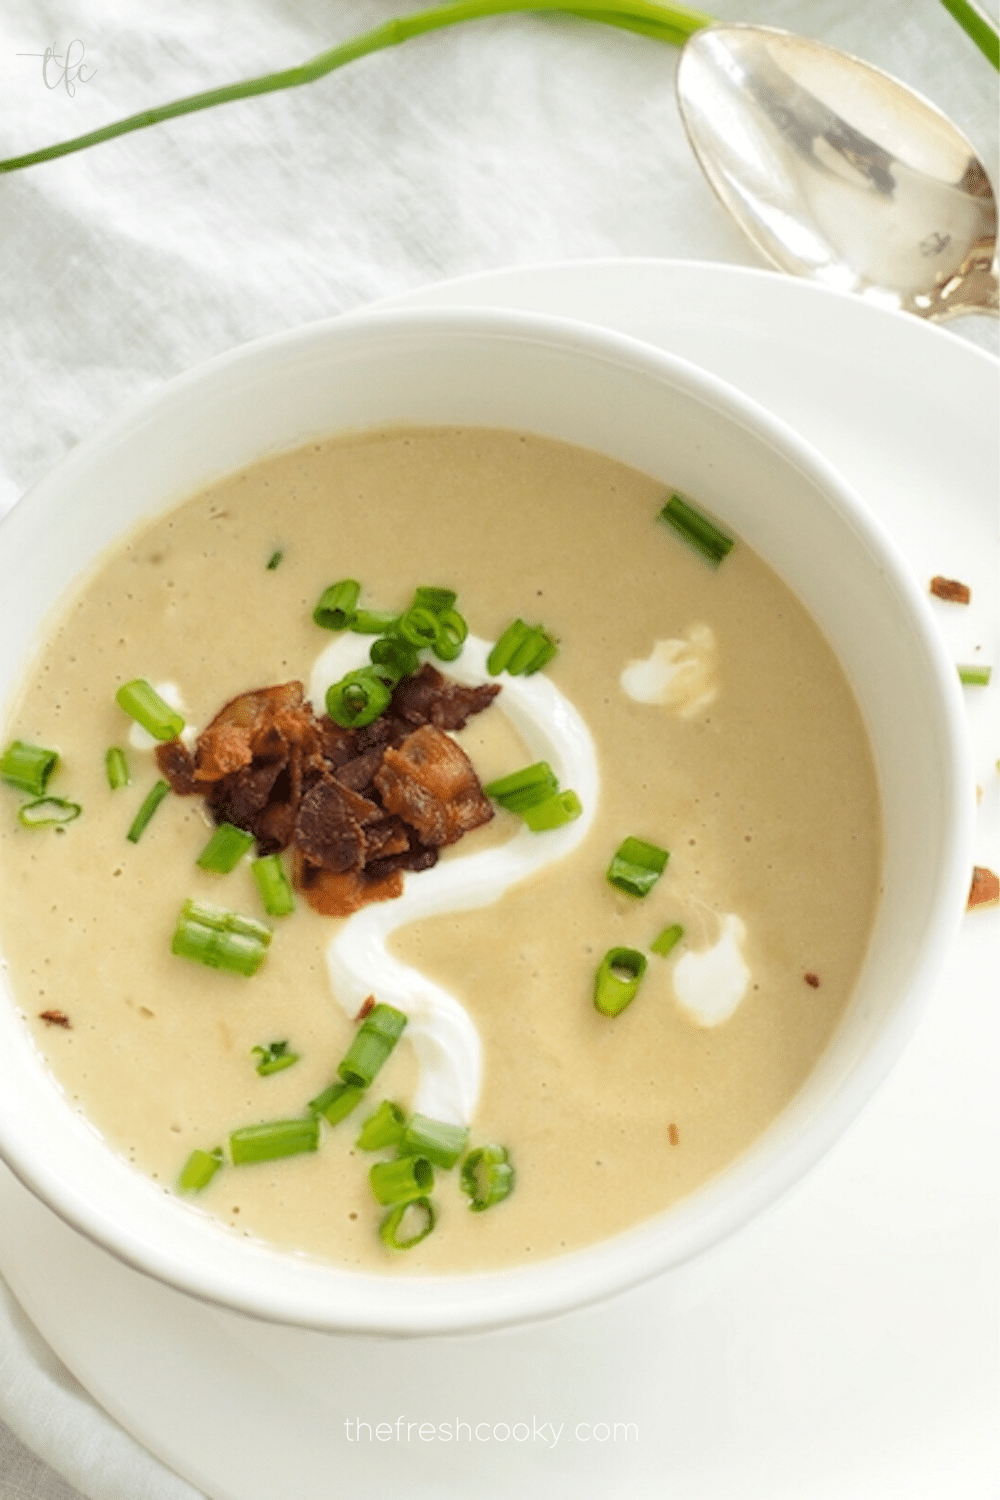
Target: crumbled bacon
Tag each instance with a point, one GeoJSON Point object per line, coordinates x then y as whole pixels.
{"type": "Point", "coordinates": [54, 1018]}
{"type": "Point", "coordinates": [951, 590]}
{"type": "Point", "coordinates": [358, 807]}
{"type": "Point", "coordinates": [985, 888]}
{"type": "Point", "coordinates": [812, 980]}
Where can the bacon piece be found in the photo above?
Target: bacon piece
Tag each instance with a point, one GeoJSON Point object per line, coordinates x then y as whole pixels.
{"type": "Point", "coordinates": [429, 698]}
{"type": "Point", "coordinates": [338, 895]}
{"type": "Point", "coordinates": [268, 723]}
{"type": "Point", "coordinates": [985, 888]}
{"type": "Point", "coordinates": [431, 784]}
{"type": "Point", "coordinates": [176, 765]}
{"type": "Point", "coordinates": [329, 826]}
{"type": "Point", "coordinates": [951, 589]}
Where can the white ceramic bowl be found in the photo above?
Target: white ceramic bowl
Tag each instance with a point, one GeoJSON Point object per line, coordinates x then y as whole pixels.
{"type": "Point", "coordinates": [660, 415]}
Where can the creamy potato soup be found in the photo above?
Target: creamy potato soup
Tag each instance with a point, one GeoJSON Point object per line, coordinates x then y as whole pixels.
{"type": "Point", "coordinates": [711, 721]}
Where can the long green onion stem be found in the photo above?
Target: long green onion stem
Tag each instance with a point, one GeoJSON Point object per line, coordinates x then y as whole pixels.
{"type": "Point", "coordinates": [977, 25]}
{"type": "Point", "coordinates": [667, 940]}
{"type": "Point", "coordinates": [273, 884]}
{"type": "Point", "coordinates": [337, 605]}
{"type": "Point", "coordinates": [150, 803]}
{"type": "Point", "coordinates": [487, 1177]}
{"type": "Point", "coordinates": [696, 529]}
{"type": "Point", "coordinates": [436, 1140]}
{"type": "Point", "coordinates": [28, 767]}
{"type": "Point", "coordinates": [384, 1128]}
{"type": "Point", "coordinates": [401, 1180]}
{"type": "Point", "coordinates": [617, 980]}
{"type": "Point", "coordinates": [274, 1058]}
{"type": "Point", "coordinates": [379, 1033]}
{"type": "Point", "coordinates": [973, 675]}
{"type": "Point", "coordinates": [420, 1209]}
{"type": "Point", "coordinates": [142, 702]}
{"type": "Point", "coordinates": [637, 866]}
{"type": "Point", "coordinates": [336, 1102]}
{"type": "Point", "coordinates": [198, 1170]}
{"type": "Point", "coordinates": [273, 1139]}
{"type": "Point", "coordinates": [47, 812]}
{"type": "Point", "coordinates": [116, 768]}
{"type": "Point", "coordinates": [664, 23]}
{"type": "Point", "coordinates": [220, 939]}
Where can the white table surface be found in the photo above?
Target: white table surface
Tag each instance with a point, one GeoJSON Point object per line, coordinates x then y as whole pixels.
{"type": "Point", "coordinates": [505, 141]}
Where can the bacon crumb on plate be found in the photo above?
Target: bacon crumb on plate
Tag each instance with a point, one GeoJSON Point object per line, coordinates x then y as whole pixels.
{"type": "Point", "coordinates": [951, 590]}
{"type": "Point", "coordinates": [54, 1018]}
{"type": "Point", "coordinates": [985, 888]}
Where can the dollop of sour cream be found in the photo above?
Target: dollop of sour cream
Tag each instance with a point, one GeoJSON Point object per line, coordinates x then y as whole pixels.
{"type": "Point", "coordinates": [679, 674]}
{"type": "Point", "coordinates": [443, 1035]}
{"type": "Point", "coordinates": [710, 984]}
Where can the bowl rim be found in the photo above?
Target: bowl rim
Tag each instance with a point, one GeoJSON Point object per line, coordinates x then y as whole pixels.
{"type": "Point", "coordinates": [411, 1305]}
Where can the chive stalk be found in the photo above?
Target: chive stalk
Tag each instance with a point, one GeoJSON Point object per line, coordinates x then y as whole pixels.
{"type": "Point", "coordinates": [667, 940]}
{"type": "Point", "coordinates": [523, 788]}
{"type": "Point", "coordinates": [273, 885]}
{"type": "Point", "coordinates": [977, 26]}
{"type": "Point", "coordinates": [521, 650]}
{"type": "Point", "coordinates": [274, 1058]}
{"type": "Point", "coordinates": [274, 1139]}
{"type": "Point", "coordinates": [274, 561]}
{"type": "Point", "coordinates": [337, 605]}
{"type": "Point", "coordinates": [617, 980]}
{"type": "Point", "coordinates": [48, 812]}
{"type": "Point", "coordinates": [696, 529]}
{"type": "Point", "coordinates": [336, 1102]}
{"type": "Point", "coordinates": [150, 803]}
{"type": "Point", "coordinates": [198, 1170]}
{"type": "Point", "coordinates": [419, 1209]}
{"type": "Point", "coordinates": [384, 1128]}
{"type": "Point", "coordinates": [220, 939]}
{"type": "Point", "coordinates": [374, 621]}
{"type": "Point", "coordinates": [975, 675]}
{"type": "Point", "coordinates": [28, 767]}
{"type": "Point", "coordinates": [142, 702]}
{"type": "Point", "coordinates": [438, 1141]}
{"type": "Point", "coordinates": [401, 1180]}
{"type": "Point", "coordinates": [116, 768]}
{"type": "Point", "coordinates": [224, 849]}
{"type": "Point", "coordinates": [487, 1177]}
{"type": "Point", "coordinates": [637, 866]}
{"type": "Point", "coordinates": [379, 1033]}
{"type": "Point", "coordinates": [358, 698]}
{"type": "Point", "coordinates": [553, 812]}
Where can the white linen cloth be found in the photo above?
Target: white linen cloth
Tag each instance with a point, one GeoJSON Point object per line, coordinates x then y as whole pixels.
{"type": "Point", "coordinates": [508, 140]}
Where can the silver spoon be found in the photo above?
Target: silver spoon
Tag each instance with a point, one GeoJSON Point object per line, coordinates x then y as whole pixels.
{"type": "Point", "coordinates": [837, 171]}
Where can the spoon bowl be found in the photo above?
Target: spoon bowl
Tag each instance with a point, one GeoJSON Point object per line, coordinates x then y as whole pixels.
{"type": "Point", "coordinates": [837, 171]}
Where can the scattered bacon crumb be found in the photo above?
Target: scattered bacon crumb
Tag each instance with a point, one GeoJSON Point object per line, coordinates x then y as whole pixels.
{"type": "Point", "coordinates": [985, 888]}
{"type": "Point", "coordinates": [812, 979]}
{"type": "Point", "coordinates": [366, 1009]}
{"type": "Point", "coordinates": [673, 1135]}
{"type": "Point", "coordinates": [951, 589]}
{"type": "Point", "coordinates": [54, 1018]}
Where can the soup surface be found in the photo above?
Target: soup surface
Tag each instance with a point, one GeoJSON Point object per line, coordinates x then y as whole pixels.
{"type": "Point", "coordinates": [750, 765]}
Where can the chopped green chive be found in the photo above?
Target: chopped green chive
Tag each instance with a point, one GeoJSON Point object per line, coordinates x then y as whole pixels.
{"type": "Point", "coordinates": [221, 939]}
{"type": "Point", "coordinates": [116, 768]}
{"type": "Point", "coordinates": [696, 529]}
{"type": "Point", "coordinates": [28, 767]}
{"type": "Point", "coordinates": [419, 626]}
{"type": "Point", "coordinates": [394, 658]}
{"type": "Point", "coordinates": [436, 1140]}
{"type": "Point", "coordinates": [142, 702]}
{"type": "Point", "coordinates": [379, 1033]}
{"type": "Point", "coordinates": [338, 605]}
{"type": "Point", "coordinates": [273, 1139]}
{"type": "Point", "coordinates": [975, 676]}
{"type": "Point", "coordinates": [198, 1170]}
{"type": "Point", "coordinates": [44, 812]}
{"type": "Point", "coordinates": [273, 884]}
{"type": "Point", "coordinates": [438, 601]}
{"type": "Point", "coordinates": [521, 650]}
{"type": "Point", "coordinates": [668, 939]}
{"type": "Point", "coordinates": [374, 621]}
{"type": "Point", "coordinates": [617, 980]}
{"type": "Point", "coordinates": [357, 699]}
{"type": "Point", "coordinates": [523, 788]}
{"type": "Point", "coordinates": [274, 561]}
{"type": "Point", "coordinates": [336, 1102]}
{"type": "Point", "coordinates": [401, 1180]}
{"type": "Point", "coordinates": [554, 812]}
{"type": "Point", "coordinates": [487, 1177]}
{"type": "Point", "coordinates": [419, 1209]}
{"type": "Point", "coordinates": [384, 1128]}
{"type": "Point", "coordinates": [273, 1058]}
{"type": "Point", "coordinates": [224, 849]}
{"type": "Point", "coordinates": [150, 803]}
{"type": "Point", "coordinates": [637, 866]}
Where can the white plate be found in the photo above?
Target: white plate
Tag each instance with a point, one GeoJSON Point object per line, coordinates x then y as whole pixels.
{"type": "Point", "coordinates": [842, 1346]}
